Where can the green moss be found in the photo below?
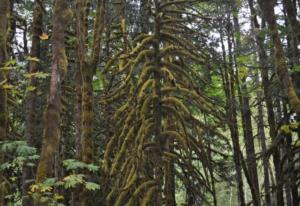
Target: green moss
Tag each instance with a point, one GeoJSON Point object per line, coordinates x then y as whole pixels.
{"type": "Point", "coordinates": [149, 194]}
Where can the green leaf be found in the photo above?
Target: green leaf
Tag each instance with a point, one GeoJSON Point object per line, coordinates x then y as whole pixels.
{"type": "Point", "coordinates": [92, 167]}
{"type": "Point", "coordinates": [72, 180]}
{"type": "Point", "coordinates": [72, 164]}
{"type": "Point", "coordinates": [39, 75]}
{"type": "Point", "coordinates": [30, 88]}
{"type": "Point", "coordinates": [92, 186]}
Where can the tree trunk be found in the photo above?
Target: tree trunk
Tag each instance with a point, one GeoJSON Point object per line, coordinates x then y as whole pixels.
{"type": "Point", "coordinates": [31, 120]}
{"type": "Point", "coordinates": [4, 12]}
{"type": "Point", "coordinates": [228, 82]}
{"type": "Point", "coordinates": [292, 17]}
{"type": "Point", "coordinates": [52, 117]}
{"type": "Point", "coordinates": [88, 66]}
{"type": "Point", "coordinates": [264, 73]}
{"type": "Point", "coordinates": [246, 115]}
{"type": "Point", "coordinates": [267, 7]}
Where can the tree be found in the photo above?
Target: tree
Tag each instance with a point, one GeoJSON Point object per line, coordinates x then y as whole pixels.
{"type": "Point", "coordinates": [52, 117]}
{"type": "Point", "coordinates": [4, 24]}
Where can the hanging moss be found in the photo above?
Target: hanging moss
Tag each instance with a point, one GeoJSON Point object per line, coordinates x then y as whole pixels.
{"type": "Point", "coordinates": [139, 189]}
{"type": "Point", "coordinates": [147, 198]}
{"type": "Point", "coordinates": [157, 81]}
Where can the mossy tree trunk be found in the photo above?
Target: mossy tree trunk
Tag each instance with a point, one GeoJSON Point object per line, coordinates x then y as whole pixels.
{"type": "Point", "coordinates": [292, 17]}
{"type": "Point", "coordinates": [52, 119]}
{"type": "Point", "coordinates": [280, 59]}
{"type": "Point", "coordinates": [4, 19]}
{"type": "Point", "coordinates": [283, 75]}
{"type": "Point", "coordinates": [30, 106]}
{"type": "Point", "coordinates": [88, 66]}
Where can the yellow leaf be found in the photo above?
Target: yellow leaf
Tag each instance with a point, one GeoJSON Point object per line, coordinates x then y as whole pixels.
{"type": "Point", "coordinates": [285, 129]}
{"type": "Point", "coordinates": [7, 86]}
{"type": "Point", "coordinates": [44, 36]}
{"type": "Point", "coordinates": [13, 179]}
{"type": "Point", "coordinates": [46, 189]}
{"type": "Point", "coordinates": [34, 188]}
{"type": "Point", "coordinates": [58, 197]}
{"type": "Point", "coordinates": [29, 58]}
{"type": "Point", "coordinates": [298, 143]}
{"type": "Point", "coordinates": [66, 178]}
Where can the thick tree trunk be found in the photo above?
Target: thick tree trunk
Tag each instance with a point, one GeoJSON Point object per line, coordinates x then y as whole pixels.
{"type": "Point", "coordinates": [267, 7]}
{"type": "Point", "coordinates": [4, 12]}
{"type": "Point", "coordinates": [30, 122]}
{"type": "Point", "coordinates": [52, 117]}
{"type": "Point", "coordinates": [88, 66]}
{"type": "Point", "coordinates": [292, 17]}
{"type": "Point", "coordinates": [282, 72]}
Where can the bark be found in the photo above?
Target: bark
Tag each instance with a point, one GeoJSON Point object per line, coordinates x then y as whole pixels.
{"type": "Point", "coordinates": [246, 115]}
{"type": "Point", "coordinates": [292, 17]}
{"type": "Point", "coordinates": [144, 13]}
{"type": "Point", "coordinates": [264, 73]}
{"type": "Point", "coordinates": [282, 73]}
{"type": "Point", "coordinates": [169, 189]}
{"type": "Point", "coordinates": [280, 60]}
{"type": "Point", "coordinates": [291, 185]}
{"type": "Point", "coordinates": [4, 18]}
{"type": "Point", "coordinates": [51, 135]}
{"type": "Point", "coordinates": [88, 65]}
{"type": "Point", "coordinates": [229, 85]}
{"type": "Point", "coordinates": [157, 109]}
{"type": "Point", "coordinates": [31, 118]}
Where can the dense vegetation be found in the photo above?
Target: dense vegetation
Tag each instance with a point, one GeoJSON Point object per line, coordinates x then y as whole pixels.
{"type": "Point", "coordinates": [149, 102]}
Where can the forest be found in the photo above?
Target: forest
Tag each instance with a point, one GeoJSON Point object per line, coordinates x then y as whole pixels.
{"type": "Point", "coordinates": [149, 102]}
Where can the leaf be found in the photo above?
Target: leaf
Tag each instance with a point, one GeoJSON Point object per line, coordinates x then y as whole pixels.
{"type": "Point", "coordinates": [25, 150]}
{"type": "Point", "coordinates": [92, 167]}
{"type": "Point", "coordinates": [285, 128]}
{"type": "Point", "coordinates": [297, 143]}
{"type": "Point", "coordinates": [40, 75]}
{"type": "Point", "coordinates": [30, 88]}
{"type": "Point", "coordinates": [5, 166]}
{"type": "Point", "coordinates": [7, 86]}
{"type": "Point", "coordinates": [44, 36]}
{"type": "Point", "coordinates": [10, 63]}
{"type": "Point", "coordinates": [92, 186]}
{"type": "Point", "coordinates": [58, 197]}
{"type": "Point", "coordinates": [46, 189]}
{"type": "Point", "coordinates": [72, 180]}
{"type": "Point", "coordinates": [35, 59]}
{"type": "Point", "coordinates": [34, 188]}
{"type": "Point", "coordinates": [72, 164]}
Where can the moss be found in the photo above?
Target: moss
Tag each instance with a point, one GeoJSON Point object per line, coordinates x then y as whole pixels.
{"type": "Point", "coordinates": [147, 40]}
{"type": "Point", "coordinates": [165, 72]}
{"type": "Point", "coordinates": [294, 99]}
{"type": "Point", "coordinates": [148, 83]}
{"type": "Point", "coordinates": [121, 153]}
{"type": "Point", "coordinates": [67, 15]}
{"type": "Point", "coordinates": [63, 61]}
{"type": "Point", "coordinates": [175, 102]}
{"type": "Point", "coordinates": [139, 189]}
{"type": "Point", "coordinates": [131, 179]}
{"type": "Point", "coordinates": [146, 71]}
{"type": "Point", "coordinates": [176, 136]}
{"type": "Point", "coordinates": [148, 196]}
